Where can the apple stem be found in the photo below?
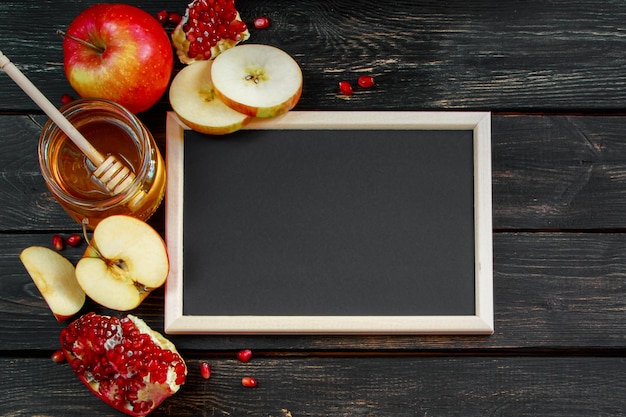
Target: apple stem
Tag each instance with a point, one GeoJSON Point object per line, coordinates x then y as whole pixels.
{"type": "Point", "coordinates": [85, 222]}
{"type": "Point", "coordinates": [74, 38]}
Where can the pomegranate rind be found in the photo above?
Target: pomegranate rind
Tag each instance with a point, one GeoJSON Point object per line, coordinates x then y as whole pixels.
{"type": "Point", "coordinates": [181, 43]}
{"type": "Point", "coordinates": [93, 363]}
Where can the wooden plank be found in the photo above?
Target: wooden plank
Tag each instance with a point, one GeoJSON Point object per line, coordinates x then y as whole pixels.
{"type": "Point", "coordinates": [488, 55]}
{"type": "Point", "coordinates": [552, 292]}
{"type": "Point", "coordinates": [347, 386]}
{"type": "Point", "coordinates": [549, 172]}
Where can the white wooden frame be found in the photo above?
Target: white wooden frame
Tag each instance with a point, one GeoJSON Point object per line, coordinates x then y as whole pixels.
{"type": "Point", "coordinates": [481, 322]}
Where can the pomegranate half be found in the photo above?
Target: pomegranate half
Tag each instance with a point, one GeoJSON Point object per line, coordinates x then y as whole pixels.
{"type": "Point", "coordinates": [123, 362]}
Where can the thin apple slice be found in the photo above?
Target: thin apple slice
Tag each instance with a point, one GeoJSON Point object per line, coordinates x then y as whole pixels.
{"type": "Point", "coordinates": [125, 260]}
{"type": "Point", "coordinates": [257, 80]}
{"type": "Point", "coordinates": [193, 99]}
{"type": "Point", "coordinates": [55, 278]}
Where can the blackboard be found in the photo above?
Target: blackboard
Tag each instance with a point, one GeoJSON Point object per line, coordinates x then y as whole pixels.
{"type": "Point", "coordinates": [331, 222]}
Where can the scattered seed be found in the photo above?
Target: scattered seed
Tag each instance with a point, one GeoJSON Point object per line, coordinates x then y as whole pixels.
{"type": "Point", "coordinates": [57, 242]}
{"type": "Point", "coordinates": [205, 370]}
{"type": "Point", "coordinates": [366, 81]}
{"type": "Point", "coordinates": [345, 88]}
{"type": "Point", "coordinates": [244, 355]}
{"type": "Point", "coordinates": [262, 22]}
{"type": "Point", "coordinates": [58, 356]}
{"type": "Point", "coordinates": [66, 98]}
{"type": "Point", "coordinates": [162, 16]}
{"type": "Point", "coordinates": [73, 240]}
{"type": "Point", "coordinates": [248, 382]}
{"type": "Point", "coordinates": [174, 18]}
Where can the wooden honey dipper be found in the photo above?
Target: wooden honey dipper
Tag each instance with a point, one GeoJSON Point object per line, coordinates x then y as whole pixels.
{"type": "Point", "coordinates": [112, 173]}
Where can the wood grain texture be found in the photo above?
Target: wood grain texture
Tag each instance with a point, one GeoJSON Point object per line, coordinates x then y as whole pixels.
{"type": "Point", "coordinates": [549, 172]}
{"type": "Point", "coordinates": [347, 386]}
{"type": "Point", "coordinates": [554, 75]}
{"type": "Point", "coordinates": [554, 292]}
{"type": "Point", "coordinates": [488, 55]}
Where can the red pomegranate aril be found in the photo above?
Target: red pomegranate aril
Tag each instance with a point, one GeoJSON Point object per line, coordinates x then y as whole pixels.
{"type": "Point", "coordinates": [73, 240]}
{"type": "Point", "coordinates": [244, 355]}
{"type": "Point", "coordinates": [58, 356]}
{"type": "Point", "coordinates": [262, 22]}
{"type": "Point", "coordinates": [345, 88]}
{"type": "Point", "coordinates": [162, 16]}
{"type": "Point", "coordinates": [366, 81]}
{"type": "Point", "coordinates": [174, 18]}
{"type": "Point", "coordinates": [57, 242]}
{"type": "Point", "coordinates": [66, 99]}
{"type": "Point", "coordinates": [205, 370]}
{"type": "Point", "coordinates": [248, 382]}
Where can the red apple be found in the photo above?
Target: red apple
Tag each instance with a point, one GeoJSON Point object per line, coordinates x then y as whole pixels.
{"type": "Point", "coordinates": [118, 52]}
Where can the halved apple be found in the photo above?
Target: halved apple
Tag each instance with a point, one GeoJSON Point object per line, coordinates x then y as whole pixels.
{"type": "Point", "coordinates": [257, 80]}
{"type": "Point", "coordinates": [193, 99]}
{"type": "Point", "coordinates": [125, 260]}
{"type": "Point", "coordinates": [54, 276]}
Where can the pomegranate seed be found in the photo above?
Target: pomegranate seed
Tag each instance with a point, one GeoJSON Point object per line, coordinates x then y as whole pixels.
{"type": "Point", "coordinates": [162, 16]}
{"type": "Point", "coordinates": [66, 98]}
{"type": "Point", "coordinates": [262, 22]}
{"type": "Point", "coordinates": [244, 355]}
{"type": "Point", "coordinates": [174, 18]}
{"type": "Point", "coordinates": [345, 88]}
{"type": "Point", "coordinates": [57, 242]}
{"type": "Point", "coordinates": [73, 240]}
{"type": "Point", "coordinates": [205, 370]}
{"type": "Point", "coordinates": [366, 81]}
{"type": "Point", "coordinates": [248, 382]}
{"type": "Point", "coordinates": [58, 356]}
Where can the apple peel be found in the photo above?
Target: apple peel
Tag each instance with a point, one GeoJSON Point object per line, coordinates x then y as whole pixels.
{"type": "Point", "coordinates": [55, 278]}
{"type": "Point", "coordinates": [193, 99]}
{"type": "Point", "coordinates": [257, 80]}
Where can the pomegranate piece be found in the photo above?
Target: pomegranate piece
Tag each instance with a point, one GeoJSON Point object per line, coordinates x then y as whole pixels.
{"type": "Point", "coordinates": [162, 16]}
{"type": "Point", "coordinates": [73, 240]}
{"type": "Point", "coordinates": [262, 22]}
{"type": "Point", "coordinates": [174, 18]}
{"type": "Point", "coordinates": [123, 362]}
{"type": "Point", "coordinates": [345, 88]}
{"type": "Point", "coordinates": [58, 356]}
{"type": "Point", "coordinates": [366, 81]}
{"type": "Point", "coordinates": [248, 382]}
{"type": "Point", "coordinates": [208, 28]}
{"type": "Point", "coordinates": [57, 242]}
{"type": "Point", "coordinates": [244, 355]}
{"type": "Point", "coordinates": [66, 99]}
{"type": "Point", "coordinates": [205, 370]}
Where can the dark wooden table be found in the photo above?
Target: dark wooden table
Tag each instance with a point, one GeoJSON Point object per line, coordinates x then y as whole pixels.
{"type": "Point", "coordinates": [554, 76]}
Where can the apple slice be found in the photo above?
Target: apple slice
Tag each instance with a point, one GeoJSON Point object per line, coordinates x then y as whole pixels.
{"type": "Point", "coordinates": [125, 260]}
{"type": "Point", "coordinates": [54, 276]}
{"type": "Point", "coordinates": [193, 99]}
{"type": "Point", "coordinates": [257, 80]}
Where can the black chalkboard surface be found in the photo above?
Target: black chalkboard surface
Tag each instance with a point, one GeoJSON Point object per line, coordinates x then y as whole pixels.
{"type": "Point", "coordinates": [331, 222]}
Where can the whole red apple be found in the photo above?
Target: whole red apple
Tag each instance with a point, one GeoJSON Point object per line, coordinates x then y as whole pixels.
{"type": "Point", "coordinates": [125, 55]}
